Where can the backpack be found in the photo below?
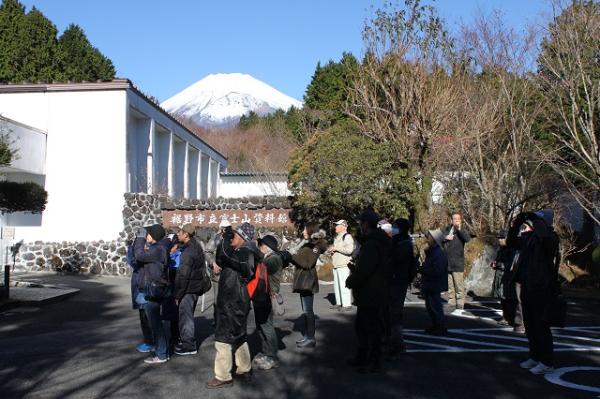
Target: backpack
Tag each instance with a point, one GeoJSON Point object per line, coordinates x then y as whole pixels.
{"type": "Point", "coordinates": [206, 280]}
{"type": "Point", "coordinates": [258, 286]}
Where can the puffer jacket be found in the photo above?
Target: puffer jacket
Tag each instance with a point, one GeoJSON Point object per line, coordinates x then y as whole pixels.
{"type": "Point", "coordinates": [188, 279]}
{"type": "Point", "coordinates": [306, 259]}
{"type": "Point", "coordinates": [153, 259]}
{"type": "Point", "coordinates": [369, 281]}
{"type": "Point", "coordinates": [233, 301]}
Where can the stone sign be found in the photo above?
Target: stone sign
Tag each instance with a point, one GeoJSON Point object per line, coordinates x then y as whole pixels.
{"type": "Point", "coordinates": [208, 218]}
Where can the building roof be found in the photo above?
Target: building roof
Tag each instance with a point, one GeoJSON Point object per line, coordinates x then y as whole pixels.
{"type": "Point", "coordinates": [100, 85]}
{"type": "Point", "coordinates": [250, 173]}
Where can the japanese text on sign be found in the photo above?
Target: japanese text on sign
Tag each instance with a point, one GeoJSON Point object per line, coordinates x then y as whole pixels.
{"type": "Point", "coordinates": [261, 217]}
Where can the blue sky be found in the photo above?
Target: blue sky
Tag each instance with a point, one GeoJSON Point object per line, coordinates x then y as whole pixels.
{"type": "Point", "coordinates": [164, 46]}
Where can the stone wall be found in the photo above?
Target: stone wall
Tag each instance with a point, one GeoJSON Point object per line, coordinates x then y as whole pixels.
{"type": "Point", "coordinates": [109, 257]}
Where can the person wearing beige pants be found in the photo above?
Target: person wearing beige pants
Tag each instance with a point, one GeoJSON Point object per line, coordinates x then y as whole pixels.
{"type": "Point", "coordinates": [456, 289]}
{"type": "Point", "coordinates": [224, 360]}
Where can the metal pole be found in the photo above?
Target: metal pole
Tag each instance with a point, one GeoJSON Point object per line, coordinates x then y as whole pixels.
{"type": "Point", "coordinates": [6, 281]}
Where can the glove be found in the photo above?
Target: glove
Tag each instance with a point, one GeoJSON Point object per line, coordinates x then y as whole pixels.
{"type": "Point", "coordinates": [141, 233]}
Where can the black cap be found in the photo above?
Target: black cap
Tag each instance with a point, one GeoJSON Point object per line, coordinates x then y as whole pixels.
{"type": "Point", "coordinates": [269, 241]}
{"type": "Point", "coordinates": [156, 231]}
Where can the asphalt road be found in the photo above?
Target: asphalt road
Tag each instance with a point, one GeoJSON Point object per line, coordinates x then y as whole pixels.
{"type": "Point", "coordinates": [84, 347]}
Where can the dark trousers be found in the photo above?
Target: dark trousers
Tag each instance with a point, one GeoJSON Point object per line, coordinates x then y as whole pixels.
{"type": "Point", "coordinates": [153, 314]}
{"type": "Point", "coordinates": [539, 335]}
{"type": "Point", "coordinates": [307, 301]}
{"type": "Point", "coordinates": [145, 326]}
{"type": "Point", "coordinates": [394, 338]}
{"type": "Point", "coordinates": [187, 331]}
{"type": "Point", "coordinates": [435, 308]}
{"type": "Point", "coordinates": [369, 327]}
{"type": "Point", "coordinates": [263, 316]}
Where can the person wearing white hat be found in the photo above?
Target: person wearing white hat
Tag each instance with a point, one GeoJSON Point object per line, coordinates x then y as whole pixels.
{"type": "Point", "coordinates": [341, 255]}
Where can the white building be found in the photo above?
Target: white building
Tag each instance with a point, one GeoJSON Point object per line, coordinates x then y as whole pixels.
{"type": "Point", "coordinates": [99, 141]}
{"type": "Point", "coordinates": [253, 184]}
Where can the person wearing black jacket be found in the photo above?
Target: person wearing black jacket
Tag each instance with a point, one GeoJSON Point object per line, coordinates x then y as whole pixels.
{"type": "Point", "coordinates": [369, 281]}
{"type": "Point", "coordinates": [536, 268]}
{"type": "Point", "coordinates": [188, 287]}
{"type": "Point", "coordinates": [403, 268]}
{"type": "Point", "coordinates": [456, 236]}
{"type": "Point", "coordinates": [154, 259]}
{"type": "Point", "coordinates": [237, 256]}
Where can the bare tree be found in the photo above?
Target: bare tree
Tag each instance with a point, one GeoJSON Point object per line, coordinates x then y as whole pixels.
{"type": "Point", "coordinates": [570, 81]}
{"type": "Point", "coordinates": [493, 168]}
{"type": "Point", "coordinates": [403, 93]}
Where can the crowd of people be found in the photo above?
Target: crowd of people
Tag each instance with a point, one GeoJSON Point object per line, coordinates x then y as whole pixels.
{"type": "Point", "coordinates": [372, 271]}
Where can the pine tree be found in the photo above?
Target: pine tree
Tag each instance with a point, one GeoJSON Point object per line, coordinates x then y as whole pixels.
{"type": "Point", "coordinates": [13, 45]}
{"type": "Point", "coordinates": [80, 60]}
{"type": "Point", "coordinates": [328, 89]}
{"type": "Point", "coordinates": [41, 62]}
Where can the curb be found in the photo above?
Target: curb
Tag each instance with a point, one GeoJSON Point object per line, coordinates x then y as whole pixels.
{"type": "Point", "coordinates": [11, 303]}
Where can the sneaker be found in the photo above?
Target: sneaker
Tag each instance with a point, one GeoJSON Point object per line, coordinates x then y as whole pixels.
{"type": "Point", "coordinates": [300, 341]}
{"type": "Point", "coordinates": [144, 348]}
{"type": "Point", "coordinates": [155, 360]}
{"type": "Point", "coordinates": [335, 307]}
{"type": "Point", "coordinates": [345, 308]}
{"type": "Point", "coordinates": [503, 322]}
{"type": "Point", "coordinates": [268, 363]}
{"type": "Point", "coordinates": [541, 368]}
{"type": "Point", "coordinates": [519, 329]}
{"type": "Point", "coordinates": [181, 351]}
{"type": "Point", "coordinates": [215, 383]}
{"type": "Point", "coordinates": [308, 343]}
{"type": "Point", "coordinates": [528, 364]}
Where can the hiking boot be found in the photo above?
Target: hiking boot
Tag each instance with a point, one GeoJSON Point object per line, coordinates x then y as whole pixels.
{"type": "Point", "coordinates": [528, 364]}
{"type": "Point", "coordinates": [144, 348]}
{"type": "Point", "coordinates": [215, 383]}
{"type": "Point", "coordinates": [155, 360]}
{"type": "Point", "coordinates": [308, 343]}
{"type": "Point", "coordinates": [541, 368]}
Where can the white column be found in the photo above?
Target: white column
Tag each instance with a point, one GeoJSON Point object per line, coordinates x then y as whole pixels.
{"type": "Point", "coordinates": [186, 172]}
{"type": "Point", "coordinates": [209, 192]}
{"type": "Point", "coordinates": [170, 169]}
{"type": "Point", "coordinates": [150, 173]}
{"type": "Point", "coordinates": [199, 176]}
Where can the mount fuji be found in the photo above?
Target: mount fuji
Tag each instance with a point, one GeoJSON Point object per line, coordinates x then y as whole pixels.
{"type": "Point", "coordinates": [221, 99]}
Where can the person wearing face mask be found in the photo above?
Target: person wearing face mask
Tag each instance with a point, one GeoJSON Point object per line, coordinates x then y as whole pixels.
{"type": "Point", "coordinates": [536, 270]}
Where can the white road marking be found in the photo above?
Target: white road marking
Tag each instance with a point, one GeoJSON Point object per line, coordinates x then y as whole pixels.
{"type": "Point", "coordinates": [418, 338]}
{"type": "Point", "coordinates": [466, 341]}
{"type": "Point", "coordinates": [556, 378]}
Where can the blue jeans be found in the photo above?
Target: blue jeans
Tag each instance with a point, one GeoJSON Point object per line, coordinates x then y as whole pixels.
{"type": "Point", "coordinates": [309, 315]}
{"type": "Point", "coordinates": [160, 339]}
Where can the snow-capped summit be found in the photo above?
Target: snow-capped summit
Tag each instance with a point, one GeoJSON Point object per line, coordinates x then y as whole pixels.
{"type": "Point", "coordinates": [221, 99]}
